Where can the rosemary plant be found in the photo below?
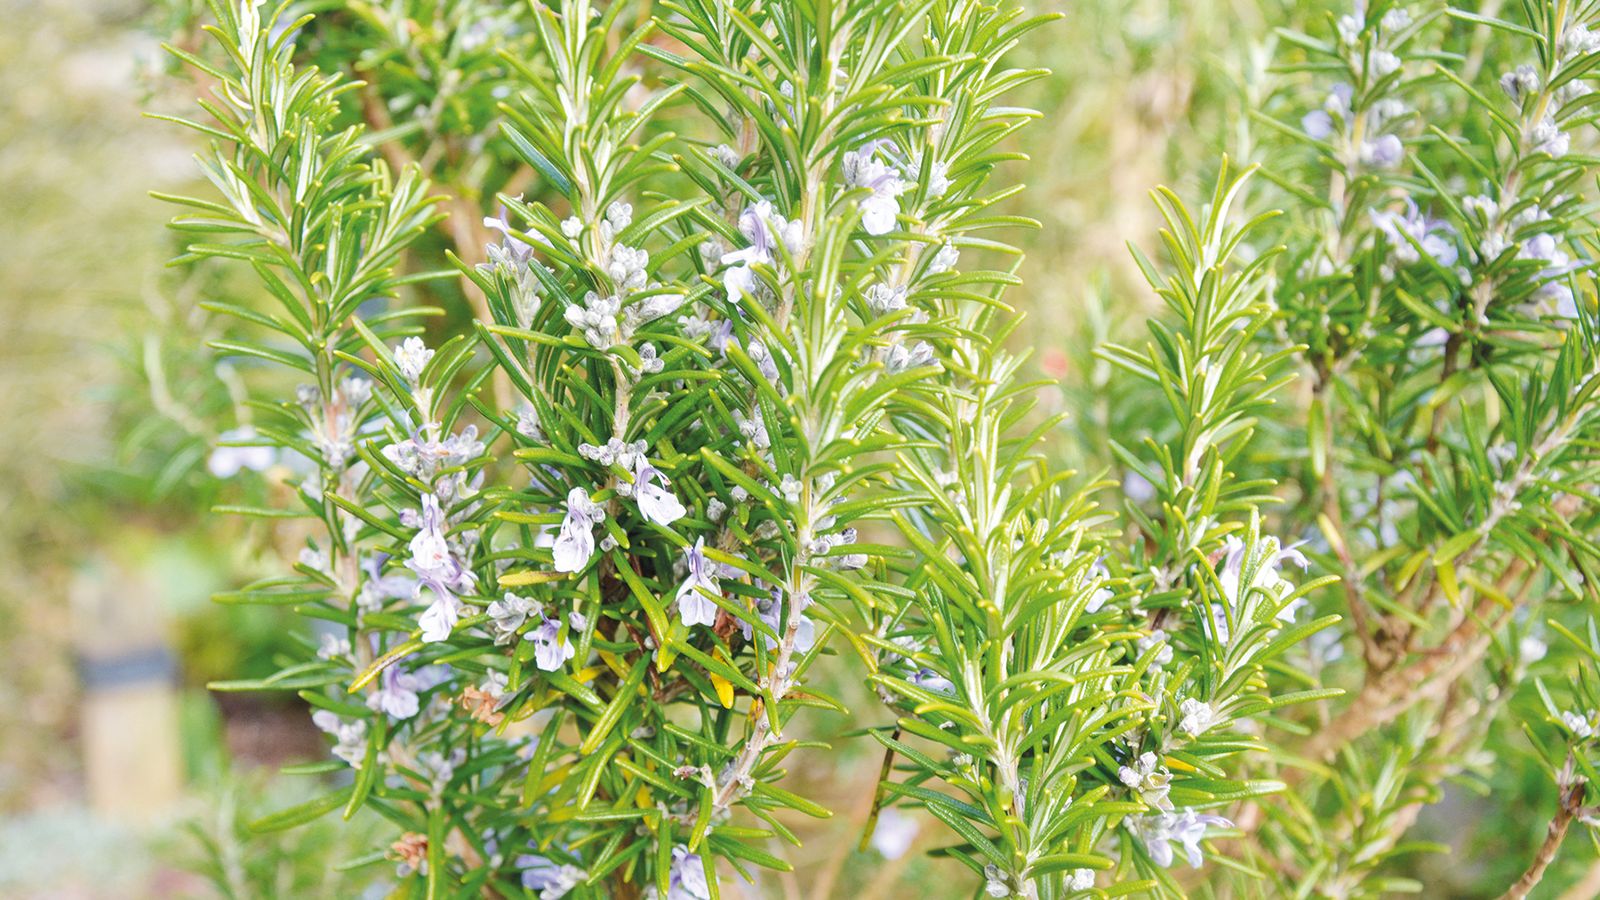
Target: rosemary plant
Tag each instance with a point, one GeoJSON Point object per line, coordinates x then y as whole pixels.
{"type": "Point", "coordinates": [1434, 162]}
{"type": "Point", "coordinates": [718, 400]}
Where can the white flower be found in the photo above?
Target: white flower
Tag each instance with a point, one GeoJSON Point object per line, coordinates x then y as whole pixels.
{"type": "Point", "coordinates": [333, 646]}
{"type": "Point", "coordinates": [656, 503]}
{"type": "Point", "coordinates": [1082, 880]}
{"type": "Point", "coordinates": [1481, 204]}
{"type": "Point", "coordinates": [1350, 28]}
{"type": "Point", "coordinates": [995, 882]}
{"type": "Point", "coordinates": [1581, 726]}
{"type": "Point", "coordinates": [694, 607]}
{"type": "Point", "coordinates": [894, 833]}
{"type": "Point", "coordinates": [765, 229]}
{"type": "Point", "coordinates": [1197, 717]}
{"type": "Point", "coordinates": [945, 259]}
{"type": "Point", "coordinates": [597, 319]}
{"type": "Point", "coordinates": [423, 455]}
{"type": "Point", "coordinates": [1098, 573]}
{"type": "Point", "coordinates": [1519, 83]}
{"type": "Point", "coordinates": [396, 694]}
{"type": "Point", "coordinates": [883, 299]}
{"type": "Point", "coordinates": [1501, 454]}
{"type": "Point", "coordinates": [440, 618]}
{"type": "Point", "coordinates": [900, 359]}
{"type": "Point", "coordinates": [863, 169]}
{"type": "Point", "coordinates": [650, 361]}
{"type": "Point", "coordinates": [753, 428]}
{"type": "Point", "coordinates": [628, 266]}
{"type": "Point", "coordinates": [438, 569]}
{"type": "Point", "coordinates": [550, 650]}
{"type": "Point", "coordinates": [938, 179]}
{"type": "Point", "coordinates": [377, 587]}
{"type": "Point", "coordinates": [494, 684]}
{"type": "Point", "coordinates": [528, 424]}
{"type": "Point", "coordinates": [313, 559]}
{"type": "Point", "coordinates": [411, 357]}
{"type": "Point", "coordinates": [513, 256]}
{"type": "Point", "coordinates": [440, 769]}
{"type": "Point", "coordinates": [575, 543]}
{"type": "Point", "coordinates": [226, 461]}
{"type": "Point", "coordinates": [356, 390]}
{"type": "Point", "coordinates": [1159, 832]}
{"type": "Point", "coordinates": [1408, 231]}
{"type": "Point", "coordinates": [507, 616]}
{"type": "Point", "coordinates": [1147, 779]}
{"type": "Point", "coordinates": [1532, 648]}
{"type": "Point", "coordinates": [1580, 40]}
{"type": "Point", "coordinates": [1156, 638]}
{"type": "Point", "coordinates": [350, 738]}
{"type": "Point", "coordinates": [1545, 248]}
{"type": "Point", "coordinates": [1546, 137]}
{"type": "Point", "coordinates": [619, 215]}
{"type": "Point", "coordinates": [1265, 576]}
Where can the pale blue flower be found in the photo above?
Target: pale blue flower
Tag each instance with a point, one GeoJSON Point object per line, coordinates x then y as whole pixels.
{"type": "Point", "coordinates": [350, 737]}
{"type": "Point", "coordinates": [863, 169]}
{"type": "Point", "coordinates": [694, 606]}
{"type": "Point", "coordinates": [507, 616]}
{"type": "Point", "coordinates": [552, 881]}
{"type": "Point", "coordinates": [933, 682]}
{"type": "Point", "coordinates": [396, 694]}
{"type": "Point", "coordinates": [688, 878]}
{"type": "Point", "coordinates": [411, 357]}
{"type": "Point", "coordinates": [765, 229]}
{"type": "Point", "coordinates": [656, 503]}
{"type": "Point", "coordinates": [575, 543]}
{"type": "Point", "coordinates": [550, 650]}
{"type": "Point", "coordinates": [894, 833]}
{"type": "Point", "coordinates": [1188, 828]}
{"type": "Point", "coordinates": [438, 568]}
{"type": "Point", "coordinates": [227, 461]}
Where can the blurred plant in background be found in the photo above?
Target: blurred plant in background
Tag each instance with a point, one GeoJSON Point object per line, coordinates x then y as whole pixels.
{"type": "Point", "coordinates": [1439, 457]}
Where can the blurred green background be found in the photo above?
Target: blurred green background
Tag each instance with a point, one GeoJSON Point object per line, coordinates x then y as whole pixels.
{"type": "Point", "coordinates": [108, 408]}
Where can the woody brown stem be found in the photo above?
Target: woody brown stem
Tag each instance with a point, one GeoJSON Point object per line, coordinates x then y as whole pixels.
{"type": "Point", "coordinates": [1389, 694]}
{"type": "Point", "coordinates": [1571, 803]}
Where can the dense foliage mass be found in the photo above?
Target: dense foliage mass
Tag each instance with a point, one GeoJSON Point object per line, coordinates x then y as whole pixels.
{"type": "Point", "coordinates": [631, 367]}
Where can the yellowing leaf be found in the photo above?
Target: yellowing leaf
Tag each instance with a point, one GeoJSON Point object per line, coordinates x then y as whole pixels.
{"type": "Point", "coordinates": [724, 686]}
{"type": "Point", "coordinates": [529, 576]}
{"type": "Point", "coordinates": [614, 663]}
{"type": "Point", "coordinates": [724, 690]}
{"type": "Point", "coordinates": [1447, 581]}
